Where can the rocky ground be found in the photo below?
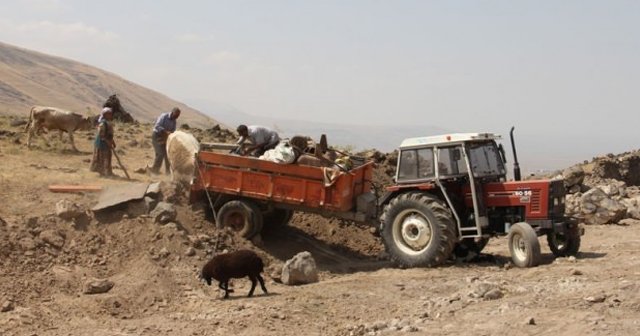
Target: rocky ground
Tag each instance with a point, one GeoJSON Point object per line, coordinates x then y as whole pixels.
{"type": "Point", "coordinates": [146, 272]}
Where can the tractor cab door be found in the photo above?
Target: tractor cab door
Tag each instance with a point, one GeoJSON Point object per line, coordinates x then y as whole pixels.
{"type": "Point", "coordinates": [454, 164]}
{"type": "Point", "coordinates": [454, 167]}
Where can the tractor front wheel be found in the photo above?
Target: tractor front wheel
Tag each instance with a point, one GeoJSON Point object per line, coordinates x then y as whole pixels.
{"type": "Point", "coordinates": [524, 245]}
{"type": "Point", "coordinates": [418, 230]}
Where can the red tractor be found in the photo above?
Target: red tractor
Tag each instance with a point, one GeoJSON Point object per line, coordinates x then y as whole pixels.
{"type": "Point", "coordinates": [451, 195]}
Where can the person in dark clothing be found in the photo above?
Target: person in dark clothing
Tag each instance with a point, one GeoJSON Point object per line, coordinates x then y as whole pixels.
{"type": "Point", "coordinates": [165, 125]}
{"type": "Point", "coordinates": [103, 145]}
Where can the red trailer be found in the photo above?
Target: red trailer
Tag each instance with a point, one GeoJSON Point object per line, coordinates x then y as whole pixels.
{"type": "Point", "coordinates": [247, 193]}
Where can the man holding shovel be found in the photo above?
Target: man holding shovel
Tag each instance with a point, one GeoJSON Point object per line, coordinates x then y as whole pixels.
{"type": "Point", "coordinates": [165, 125]}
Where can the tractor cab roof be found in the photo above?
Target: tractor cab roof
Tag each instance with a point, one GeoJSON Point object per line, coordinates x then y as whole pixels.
{"type": "Point", "coordinates": [447, 139]}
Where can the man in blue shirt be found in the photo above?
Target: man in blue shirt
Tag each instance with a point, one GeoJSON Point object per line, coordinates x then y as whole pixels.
{"type": "Point", "coordinates": [165, 125]}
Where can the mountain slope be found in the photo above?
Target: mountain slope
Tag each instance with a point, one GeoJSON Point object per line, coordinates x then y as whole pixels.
{"type": "Point", "coordinates": [31, 78]}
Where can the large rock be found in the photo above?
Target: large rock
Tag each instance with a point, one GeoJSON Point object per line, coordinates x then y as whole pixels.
{"type": "Point", "coordinates": [633, 207]}
{"type": "Point", "coordinates": [52, 238]}
{"type": "Point", "coordinates": [573, 176]}
{"type": "Point", "coordinates": [613, 188]}
{"type": "Point", "coordinates": [300, 270]}
{"type": "Point", "coordinates": [98, 286]}
{"type": "Point", "coordinates": [68, 210]}
{"type": "Point", "coordinates": [573, 205]}
{"type": "Point", "coordinates": [164, 213]}
{"type": "Point", "coordinates": [598, 208]}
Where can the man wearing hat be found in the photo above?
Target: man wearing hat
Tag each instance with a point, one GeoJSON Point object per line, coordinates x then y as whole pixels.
{"type": "Point", "coordinates": [165, 125]}
{"type": "Point", "coordinates": [261, 139]}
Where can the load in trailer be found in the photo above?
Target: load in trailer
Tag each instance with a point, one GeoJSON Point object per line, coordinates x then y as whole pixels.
{"type": "Point", "coordinates": [450, 195]}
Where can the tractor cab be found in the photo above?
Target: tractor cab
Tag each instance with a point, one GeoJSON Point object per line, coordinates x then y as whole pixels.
{"type": "Point", "coordinates": [453, 163]}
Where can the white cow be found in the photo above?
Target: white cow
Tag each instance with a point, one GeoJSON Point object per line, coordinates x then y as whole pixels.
{"type": "Point", "coordinates": [53, 118]}
{"type": "Point", "coordinates": [181, 150]}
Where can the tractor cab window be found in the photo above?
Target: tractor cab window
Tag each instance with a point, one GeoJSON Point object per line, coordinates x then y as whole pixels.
{"type": "Point", "coordinates": [415, 164]}
{"type": "Point", "coordinates": [485, 159]}
{"type": "Point", "coordinates": [451, 161]}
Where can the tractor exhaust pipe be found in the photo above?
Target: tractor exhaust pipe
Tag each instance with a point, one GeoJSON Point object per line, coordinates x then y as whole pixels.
{"type": "Point", "coordinates": [516, 165]}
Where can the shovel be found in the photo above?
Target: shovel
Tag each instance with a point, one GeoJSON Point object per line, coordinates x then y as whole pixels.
{"type": "Point", "coordinates": [120, 163]}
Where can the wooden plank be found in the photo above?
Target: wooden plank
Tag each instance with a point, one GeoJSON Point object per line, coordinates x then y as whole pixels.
{"type": "Point", "coordinates": [67, 188]}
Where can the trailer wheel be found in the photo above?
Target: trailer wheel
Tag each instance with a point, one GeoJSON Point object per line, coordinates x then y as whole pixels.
{"type": "Point", "coordinates": [564, 244]}
{"type": "Point", "coordinates": [241, 216]}
{"type": "Point", "coordinates": [524, 245]}
{"type": "Point", "coordinates": [418, 230]}
{"type": "Point", "coordinates": [277, 218]}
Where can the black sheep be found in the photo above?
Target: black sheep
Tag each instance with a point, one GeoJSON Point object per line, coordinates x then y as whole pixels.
{"type": "Point", "coordinates": [238, 264]}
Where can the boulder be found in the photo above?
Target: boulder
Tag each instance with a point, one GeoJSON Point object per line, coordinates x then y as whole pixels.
{"type": "Point", "coordinates": [68, 210]}
{"type": "Point", "coordinates": [164, 213]}
{"type": "Point", "coordinates": [300, 270]}
{"type": "Point", "coordinates": [572, 204]}
{"type": "Point", "coordinates": [596, 207]}
{"type": "Point", "coordinates": [573, 176]}
{"type": "Point", "coordinates": [98, 286]}
{"type": "Point", "coordinates": [633, 207]}
{"type": "Point", "coordinates": [614, 188]}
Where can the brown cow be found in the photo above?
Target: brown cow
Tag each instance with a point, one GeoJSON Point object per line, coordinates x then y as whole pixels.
{"type": "Point", "coordinates": [53, 118]}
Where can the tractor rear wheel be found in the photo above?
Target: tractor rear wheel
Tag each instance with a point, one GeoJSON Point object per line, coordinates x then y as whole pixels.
{"type": "Point", "coordinates": [524, 245]}
{"type": "Point", "coordinates": [418, 230]}
{"type": "Point", "coordinates": [565, 244]}
{"type": "Point", "coordinates": [242, 216]}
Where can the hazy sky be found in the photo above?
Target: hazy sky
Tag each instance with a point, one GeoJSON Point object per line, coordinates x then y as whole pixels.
{"type": "Point", "coordinates": [565, 73]}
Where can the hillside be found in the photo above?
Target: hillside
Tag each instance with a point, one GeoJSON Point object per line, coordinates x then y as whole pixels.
{"type": "Point", "coordinates": [31, 78]}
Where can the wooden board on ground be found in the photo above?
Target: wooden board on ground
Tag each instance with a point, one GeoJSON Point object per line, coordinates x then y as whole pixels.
{"type": "Point", "coordinates": [66, 188]}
